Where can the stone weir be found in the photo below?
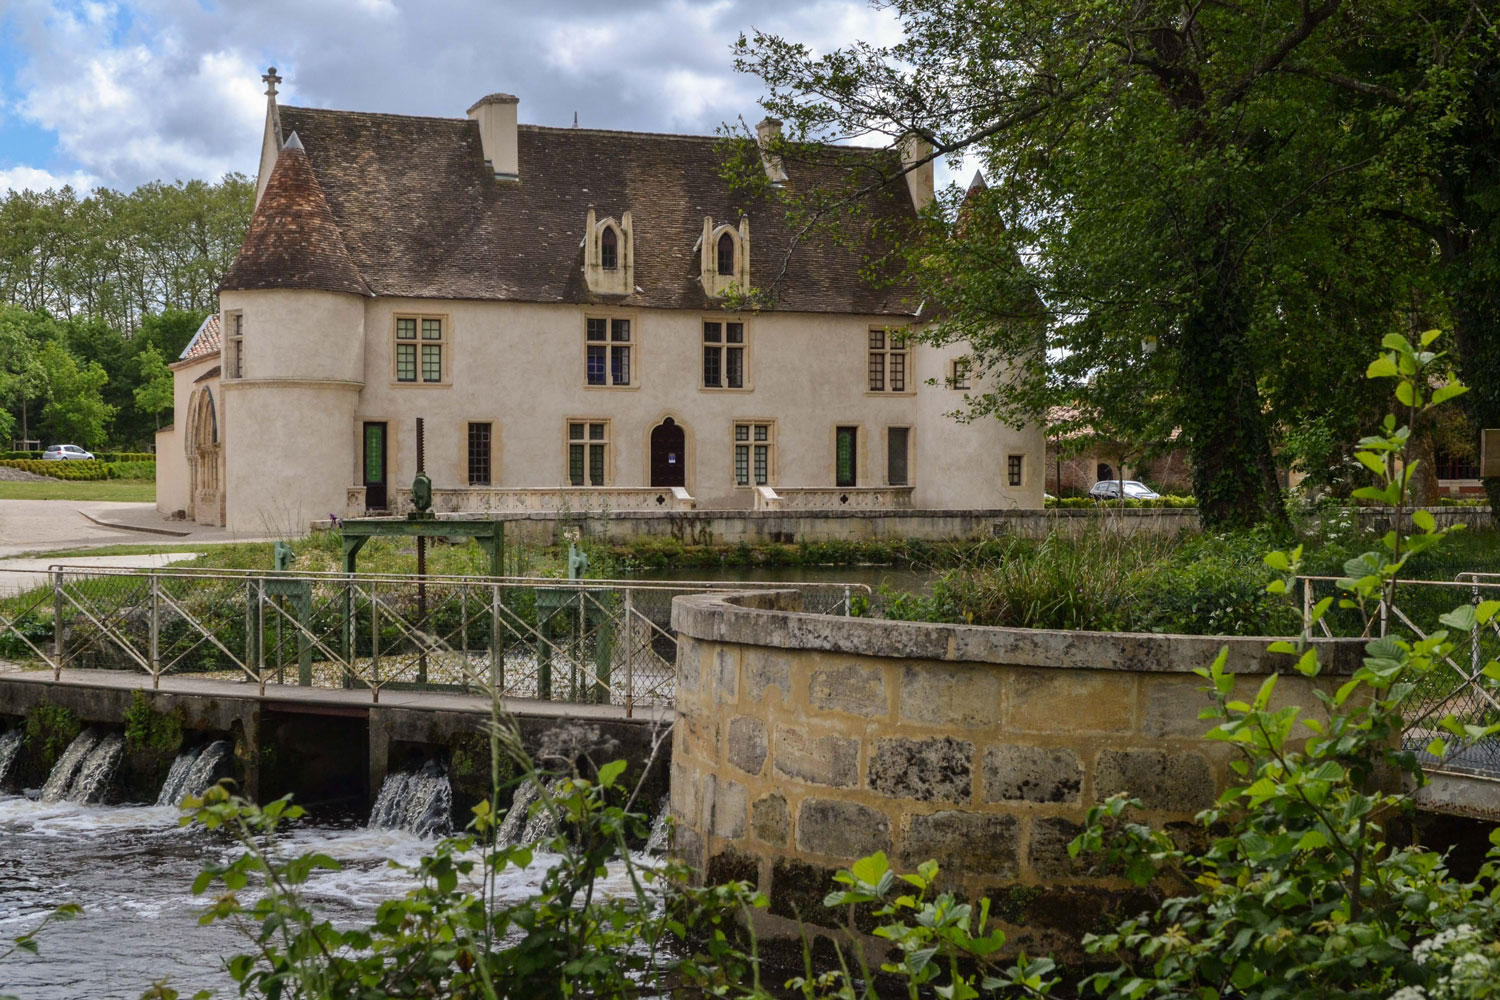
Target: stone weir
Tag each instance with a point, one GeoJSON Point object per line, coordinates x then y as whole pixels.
{"type": "Point", "coordinates": [806, 741]}
{"type": "Point", "coordinates": [333, 748]}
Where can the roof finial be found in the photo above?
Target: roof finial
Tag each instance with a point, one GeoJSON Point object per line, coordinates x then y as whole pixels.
{"type": "Point", "coordinates": [575, 119]}
{"type": "Point", "coordinates": [271, 80]}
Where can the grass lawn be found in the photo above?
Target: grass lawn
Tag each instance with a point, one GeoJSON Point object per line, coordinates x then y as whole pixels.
{"type": "Point", "coordinates": [130, 490]}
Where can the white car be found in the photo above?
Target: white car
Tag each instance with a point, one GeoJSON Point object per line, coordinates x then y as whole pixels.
{"type": "Point", "coordinates": [1109, 489]}
{"type": "Point", "coordinates": [67, 452]}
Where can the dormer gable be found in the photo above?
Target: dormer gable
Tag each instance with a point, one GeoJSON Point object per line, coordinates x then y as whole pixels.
{"type": "Point", "coordinates": [724, 257]}
{"type": "Point", "coordinates": [609, 254]}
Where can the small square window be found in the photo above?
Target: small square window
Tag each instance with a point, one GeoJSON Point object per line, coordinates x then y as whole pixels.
{"type": "Point", "coordinates": [406, 329]}
{"type": "Point", "coordinates": [958, 375]}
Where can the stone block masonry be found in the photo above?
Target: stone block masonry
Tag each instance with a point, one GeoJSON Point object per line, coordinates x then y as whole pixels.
{"type": "Point", "coordinates": [806, 741]}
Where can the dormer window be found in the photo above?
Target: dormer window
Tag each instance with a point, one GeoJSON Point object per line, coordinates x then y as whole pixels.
{"type": "Point", "coordinates": [726, 255]}
{"type": "Point", "coordinates": [609, 255]}
{"type": "Point", "coordinates": [609, 249]}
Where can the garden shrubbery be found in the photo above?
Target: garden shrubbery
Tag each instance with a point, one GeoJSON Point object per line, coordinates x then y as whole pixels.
{"type": "Point", "coordinates": [86, 471]}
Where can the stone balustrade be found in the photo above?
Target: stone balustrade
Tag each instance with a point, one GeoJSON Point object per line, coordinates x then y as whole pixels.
{"type": "Point", "coordinates": [594, 499]}
{"type": "Point", "coordinates": [806, 741]}
{"type": "Point", "coordinates": [818, 498]}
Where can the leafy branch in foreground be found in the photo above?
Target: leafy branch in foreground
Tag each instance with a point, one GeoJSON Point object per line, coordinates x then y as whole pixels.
{"type": "Point", "coordinates": [1303, 890]}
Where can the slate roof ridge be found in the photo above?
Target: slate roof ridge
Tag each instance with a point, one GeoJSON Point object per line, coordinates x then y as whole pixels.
{"type": "Point", "coordinates": [374, 114]}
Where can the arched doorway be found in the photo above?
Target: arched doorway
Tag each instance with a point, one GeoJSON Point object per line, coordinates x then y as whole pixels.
{"type": "Point", "coordinates": [668, 454]}
{"type": "Point", "coordinates": [1103, 472]}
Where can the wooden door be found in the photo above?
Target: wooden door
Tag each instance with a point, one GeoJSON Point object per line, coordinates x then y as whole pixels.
{"type": "Point", "coordinates": [668, 454]}
{"type": "Point", "coordinates": [376, 495]}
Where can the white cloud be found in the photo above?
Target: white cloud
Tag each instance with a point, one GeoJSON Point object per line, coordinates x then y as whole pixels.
{"type": "Point", "coordinates": [139, 90]}
{"type": "Point", "coordinates": [36, 179]}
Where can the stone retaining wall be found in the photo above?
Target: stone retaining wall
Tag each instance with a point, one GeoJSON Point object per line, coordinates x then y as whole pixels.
{"type": "Point", "coordinates": [805, 741]}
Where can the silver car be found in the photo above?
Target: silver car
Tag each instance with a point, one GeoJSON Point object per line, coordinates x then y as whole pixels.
{"type": "Point", "coordinates": [1109, 489]}
{"type": "Point", "coordinates": [67, 452]}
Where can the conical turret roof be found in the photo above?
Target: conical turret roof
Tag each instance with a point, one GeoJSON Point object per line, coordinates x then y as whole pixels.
{"type": "Point", "coordinates": [293, 241]}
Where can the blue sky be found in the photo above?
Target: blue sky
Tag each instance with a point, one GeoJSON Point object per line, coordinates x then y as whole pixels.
{"type": "Point", "coordinates": [115, 93]}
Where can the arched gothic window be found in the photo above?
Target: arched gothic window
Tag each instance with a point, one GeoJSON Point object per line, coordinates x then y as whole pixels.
{"type": "Point", "coordinates": [726, 254]}
{"type": "Point", "coordinates": [609, 249]}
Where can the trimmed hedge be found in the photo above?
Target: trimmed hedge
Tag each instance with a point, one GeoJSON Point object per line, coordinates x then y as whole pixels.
{"type": "Point", "coordinates": [70, 471]}
{"type": "Point", "coordinates": [1089, 503]}
{"type": "Point", "coordinates": [103, 456]}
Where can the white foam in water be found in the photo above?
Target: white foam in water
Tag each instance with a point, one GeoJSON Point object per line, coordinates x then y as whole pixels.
{"type": "Point", "coordinates": [97, 769]}
{"type": "Point", "coordinates": [61, 778]}
{"type": "Point", "coordinates": [660, 829]}
{"type": "Point", "coordinates": [10, 745]}
{"type": "Point", "coordinates": [419, 802]}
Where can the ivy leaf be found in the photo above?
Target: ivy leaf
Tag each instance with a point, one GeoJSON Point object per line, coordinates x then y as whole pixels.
{"type": "Point", "coordinates": [611, 772]}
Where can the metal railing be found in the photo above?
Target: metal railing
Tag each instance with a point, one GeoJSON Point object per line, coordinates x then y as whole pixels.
{"type": "Point", "coordinates": [596, 641]}
{"type": "Point", "coordinates": [1457, 687]}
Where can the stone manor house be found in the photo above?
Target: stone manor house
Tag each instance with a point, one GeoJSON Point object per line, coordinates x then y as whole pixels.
{"type": "Point", "coordinates": [556, 304]}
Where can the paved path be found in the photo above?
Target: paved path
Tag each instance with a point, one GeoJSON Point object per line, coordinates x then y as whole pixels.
{"type": "Point", "coordinates": [333, 701]}
{"type": "Point", "coordinates": [28, 526]}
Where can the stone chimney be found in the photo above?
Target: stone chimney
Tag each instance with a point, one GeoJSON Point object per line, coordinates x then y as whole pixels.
{"type": "Point", "coordinates": [918, 179]}
{"type": "Point", "coordinates": [496, 115]}
{"type": "Point", "coordinates": [767, 133]}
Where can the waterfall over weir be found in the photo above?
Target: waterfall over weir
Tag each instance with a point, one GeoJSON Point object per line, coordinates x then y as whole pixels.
{"type": "Point", "coordinates": [83, 772]}
{"type": "Point", "coordinates": [419, 802]}
{"type": "Point", "coordinates": [194, 772]}
{"type": "Point", "coordinates": [10, 745]}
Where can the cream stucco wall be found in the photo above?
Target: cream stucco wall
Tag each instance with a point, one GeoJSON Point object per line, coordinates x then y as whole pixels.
{"type": "Point", "coordinates": [319, 365]}
{"type": "Point", "coordinates": [521, 367]}
{"type": "Point", "coordinates": [285, 421]}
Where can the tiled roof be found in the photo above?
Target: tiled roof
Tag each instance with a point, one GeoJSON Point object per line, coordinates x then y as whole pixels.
{"type": "Point", "coordinates": [204, 342]}
{"type": "Point", "coordinates": [293, 241]}
{"type": "Point", "coordinates": [421, 216]}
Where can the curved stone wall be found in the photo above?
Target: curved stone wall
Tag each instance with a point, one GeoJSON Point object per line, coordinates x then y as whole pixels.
{"type": "Point", "coordinates": [805, 741]}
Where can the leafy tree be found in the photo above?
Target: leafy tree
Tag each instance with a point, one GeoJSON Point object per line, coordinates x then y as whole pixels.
{"type": "Point", "coordinates": [75, 411]}
{"type": "Point", "coordinates": [1189, 177]}
{"type": "Point", "coordinates": [22, 378]}
{"type": "Point", "coordinates": [154, 391]}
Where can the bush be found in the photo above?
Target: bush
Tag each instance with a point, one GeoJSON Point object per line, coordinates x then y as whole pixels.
{"type": "Point", "coordinates": [70, 471]}
{"type": "Point", "coordinates": [49, 730]}
{"type": "Point", "coordinates": [1170, 502]}
{"type": "Point", "coordinates": [132, 470]}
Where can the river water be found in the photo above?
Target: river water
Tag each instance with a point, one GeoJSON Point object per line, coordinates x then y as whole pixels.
{"type": "Point", "coordinates": [131, 868]}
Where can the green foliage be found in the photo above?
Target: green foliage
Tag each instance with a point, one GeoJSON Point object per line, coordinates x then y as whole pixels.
{"type": "Point", "coordinates": [132, 470]}
{"type": "Point", "coordinates": [146, 729]}
{"type": "Point", "coordinates": [1059, 582]}
{"type": "Point", "coordinates": [88, 471]}
{"type": "Point", "coordinates": [49, 730]}
{"type": "Point", "coordinates": [1183, 205]}
{"type": "Point", "coordinates": [942, 944]}
{"type": "Point", "coordinates": [452, 937]}
{"type": "Point", "coordinates": [1168, 502]}
{"type": "Point", "coordinates": [75, 411]}
{"type": "Point", "coordinates": [154, 391]}
{"type": "Point", "coordinates": [1301, 892]}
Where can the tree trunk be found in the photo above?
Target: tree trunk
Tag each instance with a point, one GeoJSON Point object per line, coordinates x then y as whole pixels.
{"type": "Point", "coordinates": [1220, 413]}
